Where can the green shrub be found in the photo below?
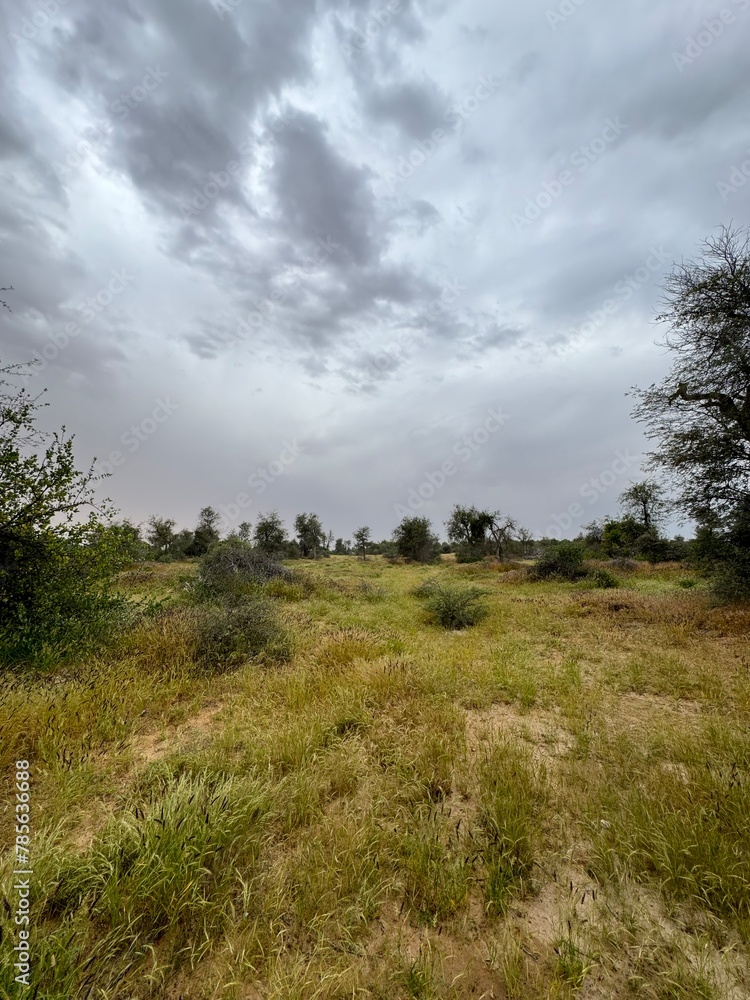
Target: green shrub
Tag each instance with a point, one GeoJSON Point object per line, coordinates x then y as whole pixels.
{"type": "Point", "coordinates": [233, 569]}
{"type": "Point", "coordinates": [56, 601]}
{"type": "Point", "coordinates": [427, 588]}
{"type": "Point", "coordinates": [602, 578]}
{"type": "Point", "coordinates": [562, 560]}
{"type": "Point", "coordinates": [229, 634]}
{"type": "Point", "coordinates": [453, 608]}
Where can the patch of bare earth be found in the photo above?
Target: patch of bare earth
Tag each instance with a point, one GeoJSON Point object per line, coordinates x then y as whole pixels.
{"type": "Point", "coordinates": [148, 747]}
{"type": "Point", "coordinates": [542, 729]}
{"type": "Point", "coordinates": [145, 749]}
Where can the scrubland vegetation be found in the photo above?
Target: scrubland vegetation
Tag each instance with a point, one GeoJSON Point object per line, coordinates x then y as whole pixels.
{"type": "Point", "coordinates": [276, 767]}
{"type": "Point", "coordinates": [355, 800]}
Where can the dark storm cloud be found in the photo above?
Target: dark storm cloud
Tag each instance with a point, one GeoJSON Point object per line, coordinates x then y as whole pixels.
{"type": "Point", "coordinates": [312, 289]}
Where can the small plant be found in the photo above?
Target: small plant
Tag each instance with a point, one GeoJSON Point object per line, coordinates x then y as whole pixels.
{"type": "Point", "coordinates": [228, 635]}
{"type": "Point", "coordinates": [453, 608]}
{"type": "Point", "coordinates": [602, 578]}
{"type": "Point", "coordinates": [687, 584]}
{"type": "Point", "coordinates": [427, 588]}
{"type": "Point", "coordinates": [563, 560]}
{"type": "Point", "coordinates": [571, 965]}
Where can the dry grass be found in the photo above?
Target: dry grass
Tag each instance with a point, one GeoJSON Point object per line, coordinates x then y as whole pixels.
{"type": "Point", "coordinates": [550, 803]}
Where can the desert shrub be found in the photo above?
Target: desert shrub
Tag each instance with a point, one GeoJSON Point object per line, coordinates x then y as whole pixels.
{"type": "Point", "coordinates": [562, 560]}
{"type": "Point", "coordinates": [466, 553]}
{"type": "Point", "coordinates": [623, 564]}
{"type": "Point", "coordinates": [454, 608]}
{"type": "Point", "coordinates": [56, 599]}
{"type": "Point", "coordinates": [601, 578]}
{"type": "Point", "coordinates": [227, 635]}
{"type": "Point", "coordinates": [233, 569]}
{"type": "Point", "coordinates": [427, 588]}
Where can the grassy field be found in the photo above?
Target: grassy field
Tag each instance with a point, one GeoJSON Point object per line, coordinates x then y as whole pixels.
{"type": "Point", "coordinates": [554, 802]}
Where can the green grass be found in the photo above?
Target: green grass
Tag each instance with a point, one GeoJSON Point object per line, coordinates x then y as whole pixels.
{"type": "Point", "coordinates": [553, 797]}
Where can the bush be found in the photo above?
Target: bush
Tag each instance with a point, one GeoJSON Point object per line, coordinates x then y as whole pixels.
{"type": "Point", "coordinates": [453, 608]}
{"type": "Point", "coordinates": [56, 600]}
{"type": "Point", "coordinates": [602, 578]}
{"type": "Point", "coordinates": [229, 635]}
{"type": "Point", "coordinates": [563, 560]}
{"type": "Point", "coordinates": [233, 569]}
{"type": "Point", "coordinates": [427, 588]}
{"type": "Point", "coordinates": [624, 565]}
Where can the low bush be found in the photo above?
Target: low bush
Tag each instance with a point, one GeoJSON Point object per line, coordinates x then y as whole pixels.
{"type": "Point", "coordinates": [453, 608]}
{"type": "Point", "coordinates": [601, 578]}
{"type": "Point", "coordinates": [427, 588]}
{"type": "Point", "coordinates": [624, 565]}
{"type": "Point", "coordinates": [233, 569]}
{"type": "Point", "coordinates": [563, 560]}
{"type": "Point", "coordinates": [228, 635]}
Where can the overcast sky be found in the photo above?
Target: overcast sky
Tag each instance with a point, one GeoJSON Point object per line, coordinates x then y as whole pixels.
{"type": "Point", "coordinates": [360, 258]}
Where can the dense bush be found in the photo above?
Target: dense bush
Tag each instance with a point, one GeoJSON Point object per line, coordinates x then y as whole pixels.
{"type": "Point", "coordinates": [601, 578]}
{"type": "Point", "coordinates": [228, 635]}
{"type": "Point", "coordinates": [415, 540]}
{"type": "Point", "coordinates": [233, 569]}
{"type": "Point", "coordinates": [562, 560]}
{"type": "Point", "coordinates": [56, 600]}
{"type": "Point", "coordinates": [455, 608]}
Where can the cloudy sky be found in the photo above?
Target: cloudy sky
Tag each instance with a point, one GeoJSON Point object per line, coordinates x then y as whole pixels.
{"type": "Point", "coordinates": [360, 257]}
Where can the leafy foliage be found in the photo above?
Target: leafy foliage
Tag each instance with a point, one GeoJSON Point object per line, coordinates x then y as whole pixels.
{"type": "Point", "coordinates": [233, 568]}
{"type": "Point", "coordinates": [414, 540]}
{"type": "Point", "coordinates": [55, 564]}
{"type": "Point", "coordinates": [562, 560]}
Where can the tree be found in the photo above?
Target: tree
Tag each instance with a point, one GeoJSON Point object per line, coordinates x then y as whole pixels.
{"type": "Point", "coordinates": [206, 532]}
{"type": "Point", "coordinates": [55, 555]}
{"type": "Point", "coordinates": [342, 548]}
{"type": "Point", "coordinates": [478, 531]}
{"type": "Point", "coordinates": [622, 538]}
{"type": "Point", "coordinates": [501, 530]}
{"type": "Point", "coordinates": [160, 535]}
{"type": "Point", "coordinates": [270, 533]}
{"type": "Point", "coordinates": [699, 414]}
{"type": "Point", "coordinates": [310, 534]}
{"type": "Point", "coordinates": [414, 540]}
{"type": "Point", "coordinates": [243, 531]}
{"type": "Point", "coordinates": [468, 528]}
{"type": "Point", "coordinates": [526, 538]}
{"type": "Point", "coordinates": [645, 503]}
{"type": "Point", "coordinates": [361, 540]}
